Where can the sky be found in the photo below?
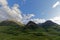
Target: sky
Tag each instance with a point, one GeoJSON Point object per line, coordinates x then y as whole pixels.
{"type": "Point", "coordinates": [30, 10]}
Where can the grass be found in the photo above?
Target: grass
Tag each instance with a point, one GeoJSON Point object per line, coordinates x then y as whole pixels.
{"type": "Point", "coordinates": [15, 34]}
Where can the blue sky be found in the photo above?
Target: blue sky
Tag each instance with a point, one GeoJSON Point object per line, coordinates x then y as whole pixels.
{"type": "Point", "coordinates": [41, 8]}
{"type": "Point", "coordinates": [30, 10]}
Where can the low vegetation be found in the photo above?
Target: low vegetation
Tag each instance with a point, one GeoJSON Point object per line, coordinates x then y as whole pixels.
{"type": "Point", "coordinates": [12, 31]}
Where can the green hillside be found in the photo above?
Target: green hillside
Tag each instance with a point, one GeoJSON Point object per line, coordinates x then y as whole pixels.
{"type": "Point", "coordinates": [10, 30]}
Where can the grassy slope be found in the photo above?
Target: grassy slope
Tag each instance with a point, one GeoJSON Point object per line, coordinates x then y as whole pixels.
{"type": "Point", "coordinates": [14, 32]}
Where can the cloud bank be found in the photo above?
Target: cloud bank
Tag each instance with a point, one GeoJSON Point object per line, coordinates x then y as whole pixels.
{"type": "Point", "coordinates": [15, 14]}
{"type": "Point", "coordinates": [38, 20]}
{"type": "Point", "coordinates": [56, 19]}
{"type": "Point", "coordinates": [9, 13]}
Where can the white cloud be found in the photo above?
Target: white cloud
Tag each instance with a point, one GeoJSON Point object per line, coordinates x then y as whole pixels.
{"type": "Point", "coordinates": [9, 13]}
{"type": "Point", "coordinates": [56, 19]}
{"type": "Point", "coordinates": [3, 2]}
{"type": "Point", "coordinates": [16, 13]}
{"type": "Point", "coordinates": [27, 17]}
{"type": "Point", "coordinates": [56, 4]}
{"type": "Point", "coordinates": [13, 13]}
{"type": "Point", "coordinates": [38, 20]}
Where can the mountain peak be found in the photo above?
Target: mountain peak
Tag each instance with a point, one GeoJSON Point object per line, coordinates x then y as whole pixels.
{"type": "Point", "coordinates": [31, 25]}
{"type": "Point", "coordinates": [31, 22]}
{"type": "Point", "coordinates": [9, 23]}
{"type": "Point", "coordinates": [49, 23]}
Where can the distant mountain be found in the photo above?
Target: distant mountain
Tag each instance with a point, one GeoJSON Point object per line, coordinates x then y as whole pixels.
{"type": "Point", "coordinates": [31, 25]}
{"type": "Point", "coordinates": [47, 24]}
{"type": "Point", "coordinates": [10, 23]}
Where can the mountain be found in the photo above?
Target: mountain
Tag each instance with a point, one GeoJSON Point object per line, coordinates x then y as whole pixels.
{"type": "Point", "coordinates": [48, 23]}
{"type": "Point", "coordinates": [10, 30]}
{"type": "Point", "coordinates": [31, 25]}
{"type": "Point", "coordinates": [10, 23]}
{"type": "Point", "coordinates": [10, 27]}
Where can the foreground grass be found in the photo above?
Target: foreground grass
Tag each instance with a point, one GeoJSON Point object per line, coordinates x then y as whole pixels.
{"type": "Point", "coordinates": [13, 33]}
{"type": "Point", "coordinates": [4, 36]}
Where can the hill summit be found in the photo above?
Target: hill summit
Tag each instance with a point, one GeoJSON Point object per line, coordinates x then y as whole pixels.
{"type": "Point", "coordinates": [49, 23]}
{"type": "Point", "coordinates": [31, 25]}
{"type": "Point", "coordinates": [10, 23]}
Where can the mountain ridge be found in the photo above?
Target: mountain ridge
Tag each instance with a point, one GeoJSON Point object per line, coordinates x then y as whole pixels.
{"type": "Point", "coordinates": [30, 30]}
